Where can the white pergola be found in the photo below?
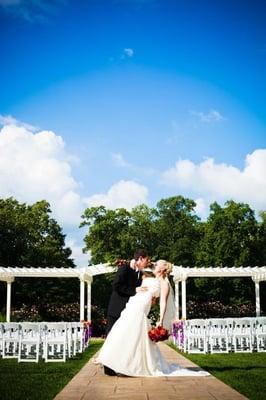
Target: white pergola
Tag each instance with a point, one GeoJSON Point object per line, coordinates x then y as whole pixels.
{"type": "Point", "coordinates": [180, 274]}
{"type": "Point", "coordinates": [85, 275]}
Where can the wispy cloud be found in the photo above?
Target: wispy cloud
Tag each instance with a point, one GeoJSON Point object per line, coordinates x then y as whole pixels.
{"type": "Point", "coordinates": [119, 161]}
{"type": "Point", "coordinates": [32, 10]}
{"type": "Point", "coordinates": [128, 52]}
{"type": "Point", "coordinates": [211, 116]}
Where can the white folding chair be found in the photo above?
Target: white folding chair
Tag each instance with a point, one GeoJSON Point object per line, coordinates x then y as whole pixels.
{"type": "Point", "coordinates": [218, 336]}
{"type": "Point", "coordinates": [55, 342]}
{"type": "Point", "coordinates": [1, 338]}
{"type": "Point", "coordinates": [76, 343]}
{"type": "Point", "coordinates": [29, 342]}
{"type": "Point", "coordinates": [10, 339]}
{"type": "Point", "coordinates": [260, 334]}
{"type": "Point", "coordinates": [196, 336]}
{"type": "Point", "coordinates": [242, 335]}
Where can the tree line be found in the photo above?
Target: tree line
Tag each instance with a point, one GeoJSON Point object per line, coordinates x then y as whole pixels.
{"type": "Point", "coordinates": [231, 236]}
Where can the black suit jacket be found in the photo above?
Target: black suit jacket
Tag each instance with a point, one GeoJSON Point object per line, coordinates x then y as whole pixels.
{"type": "Point", "coordinates": [124, 285]}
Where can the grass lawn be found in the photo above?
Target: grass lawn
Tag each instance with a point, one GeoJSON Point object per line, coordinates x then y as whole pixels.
{"type": "Point", "coordinates": [244, 372]}
{"type": "Point", "coordinates": [42, 381]}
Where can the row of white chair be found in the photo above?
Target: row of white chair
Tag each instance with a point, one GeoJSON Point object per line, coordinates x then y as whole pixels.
{"type": "Point", "coordinates": [52, 341]}
{"type": "Point", "coordinates": [221, 335]}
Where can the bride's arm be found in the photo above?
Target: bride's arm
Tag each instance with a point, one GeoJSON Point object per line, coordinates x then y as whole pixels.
{"type": "Point", "coordinates": [163, 300]}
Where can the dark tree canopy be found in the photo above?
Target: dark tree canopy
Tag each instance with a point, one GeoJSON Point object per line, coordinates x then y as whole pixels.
{"type": "Point", "coordinates": [29, 237]}
{"type": "Point", "coordinates": [170, 230]}
{"type": "Point", "coordinates": [231, 236]}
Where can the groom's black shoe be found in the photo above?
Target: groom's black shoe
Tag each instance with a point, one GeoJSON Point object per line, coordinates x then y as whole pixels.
{"type": "Point", "coordinates": [109, 371]}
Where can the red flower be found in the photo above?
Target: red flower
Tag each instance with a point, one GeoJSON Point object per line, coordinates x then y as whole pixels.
{"type": "Point", "coordinates": [158, 334]}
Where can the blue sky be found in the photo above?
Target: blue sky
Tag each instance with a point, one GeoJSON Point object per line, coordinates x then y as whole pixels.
{"type": "Point", "coordinates": [123, 102]}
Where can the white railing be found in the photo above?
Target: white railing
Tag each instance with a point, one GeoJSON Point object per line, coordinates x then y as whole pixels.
{"type": "Point", "coordinates": [220, 335]}
{"type": "Point", "coordinates": [51, 341]}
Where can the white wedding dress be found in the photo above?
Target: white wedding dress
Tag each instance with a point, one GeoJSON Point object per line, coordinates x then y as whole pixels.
{"type": "Point", "coordinates": [129, 350]}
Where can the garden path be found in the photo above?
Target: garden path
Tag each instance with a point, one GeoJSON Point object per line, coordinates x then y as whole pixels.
{"type": "Point", "coordinates": [91, 384]}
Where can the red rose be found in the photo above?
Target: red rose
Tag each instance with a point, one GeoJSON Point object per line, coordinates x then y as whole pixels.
{"type": "Point", "coordinates": [158, 334]}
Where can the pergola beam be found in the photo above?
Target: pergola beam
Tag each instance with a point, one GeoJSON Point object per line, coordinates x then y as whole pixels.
{"type": "Point", "coordinates": [180, 274]}
{"type": "Point", "coordinates": [8, 274]}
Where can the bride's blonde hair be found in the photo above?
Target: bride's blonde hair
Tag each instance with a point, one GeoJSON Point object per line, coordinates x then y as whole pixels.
{"type": "Point", "coordinates": [168, 266]}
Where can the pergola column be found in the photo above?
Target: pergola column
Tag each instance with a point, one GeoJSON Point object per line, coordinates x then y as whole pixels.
{"type": "Point", "coordinates": [8, 298]}
{"type": "Point", "coordinates": [82, 299]}
{"type": "Point", "coordinates": [89, 282]}
{"type": "Point", "coordinates": [184, 300]}
{"type": "Point", "coordinates": [257, 295]}
{"type": "Point", "coordinates": [177, 300]}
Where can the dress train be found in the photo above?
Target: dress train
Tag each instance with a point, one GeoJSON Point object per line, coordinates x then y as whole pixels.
{"type": "Point", "coordinates": [129, 350]}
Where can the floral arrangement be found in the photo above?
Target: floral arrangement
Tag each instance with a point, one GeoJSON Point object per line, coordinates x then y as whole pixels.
{"type": "Point", "coordinates": [158, 334]}
{"type": "Point", "coordinates": [87, 331]}
{"type": "Point", "coordinates": [178, 332]}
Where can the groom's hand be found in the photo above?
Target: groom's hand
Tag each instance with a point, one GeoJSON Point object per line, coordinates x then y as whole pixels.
{"type": "Point", "coordinates": [141, 289]}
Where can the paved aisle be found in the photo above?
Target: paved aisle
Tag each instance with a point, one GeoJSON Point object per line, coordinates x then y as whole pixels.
{"type": "Point", "coordinates": [91, 384]}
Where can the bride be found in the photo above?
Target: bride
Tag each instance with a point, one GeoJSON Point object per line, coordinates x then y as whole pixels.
{"type": "Point", "coordinates": [128, 350]}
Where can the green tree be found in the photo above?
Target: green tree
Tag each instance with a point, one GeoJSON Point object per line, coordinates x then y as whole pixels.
{"type": "Point", "coordinates": [29, 237]}
{"type": "Point", "coordinates": [142, 229]}
{"type": "Point", "coordinates": [178, 231]}
{"type": "Point", "coordinates": [230, 236]}
{"type": "Point", "coordinates": [168, 231]}
{"type": "Point", "coordinates": [261, 243]}
{"type": "Point", "coordinates": [107, 237]}
{"type": "Point", "coordinates": [229, 240]}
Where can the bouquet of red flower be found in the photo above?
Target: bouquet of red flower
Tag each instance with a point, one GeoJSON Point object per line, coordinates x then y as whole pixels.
{"type": "Point", "coordinates": [158, 334]}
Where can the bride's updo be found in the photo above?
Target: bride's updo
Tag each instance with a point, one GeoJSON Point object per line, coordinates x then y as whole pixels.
{"type": "Point", "coordinates": [166, 267]}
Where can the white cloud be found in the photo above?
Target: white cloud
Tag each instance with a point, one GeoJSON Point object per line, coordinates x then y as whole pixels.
{"type": "Point", "coordinates": [211, 116]}
{"type": "Point", "coordinates": [128, 52]}
{"type": "Point", "coordinates": [123, 194]}
{"type": "Point", "coordinates": [120, 161]}
{"type": "Point", "coordinates": [35, 166]}
{"type": "Point", "coordinates": [81, 259]}
{"type": "Point", "coordinates": [202, 208]}
{"type": "Point", "coordinates": [9, 120]}
{"type": "Point", "coordinates": [222, 182]}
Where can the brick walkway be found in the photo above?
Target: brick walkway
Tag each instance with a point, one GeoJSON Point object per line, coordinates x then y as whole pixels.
{"type": "Point", "coordinates": [91, 384]}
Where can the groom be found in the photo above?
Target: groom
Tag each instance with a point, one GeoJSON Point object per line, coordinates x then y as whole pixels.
{"type": "Point", "coordinates": [125, 284]}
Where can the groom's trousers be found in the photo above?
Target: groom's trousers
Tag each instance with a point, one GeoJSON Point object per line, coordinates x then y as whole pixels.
{"type": "Point", "coordinates": [110, 322]}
